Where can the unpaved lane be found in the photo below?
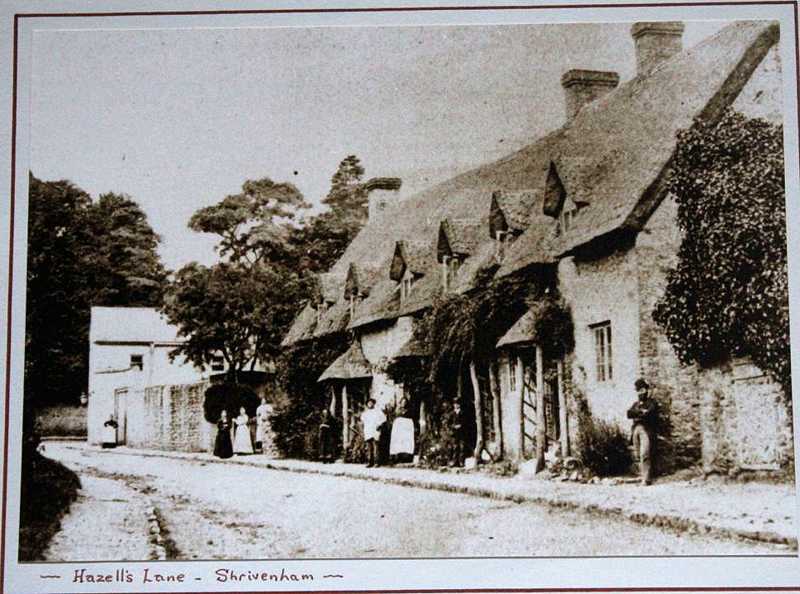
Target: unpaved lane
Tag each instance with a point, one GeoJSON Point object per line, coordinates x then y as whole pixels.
{"type": "Point", "coordinates": [218, 510]}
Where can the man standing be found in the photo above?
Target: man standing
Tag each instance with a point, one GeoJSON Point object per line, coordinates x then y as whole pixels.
{"type": "Point", "coordinates": [325, 435]}
{"type": "Point", "coordinates": [372, 419]}
{"type": "Point", "coordinates": [644, 414]}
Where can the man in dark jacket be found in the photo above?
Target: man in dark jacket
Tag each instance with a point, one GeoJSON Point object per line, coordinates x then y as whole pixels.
{"type": "Point", "coordinates": [644, 413]}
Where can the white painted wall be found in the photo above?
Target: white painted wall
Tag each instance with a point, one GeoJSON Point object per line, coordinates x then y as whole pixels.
{"type": "Point", "coordinates": [598, 291]}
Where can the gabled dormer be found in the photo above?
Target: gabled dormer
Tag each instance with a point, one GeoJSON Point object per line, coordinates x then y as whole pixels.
{"type": "Point", "coordinates": [408, 265]}
{"type": "Point", "coordinates": [325, 294]}
{"type": "Point", "coordinates": [456, 241]}
{"type": "Point", "coordinates": [558, 203]}
{"type": "Point", "coordinates": [509, 214]}
{"type": "Point", "coordinates": [356, 285]}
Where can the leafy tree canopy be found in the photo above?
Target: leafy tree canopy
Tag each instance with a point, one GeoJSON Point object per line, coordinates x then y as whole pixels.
{"type": "Point", "coordinates": [728, 294]}
{"type": "Point", "coordinates": [80, 253]}
{"type": "Point", "coordinates": [253, 225]}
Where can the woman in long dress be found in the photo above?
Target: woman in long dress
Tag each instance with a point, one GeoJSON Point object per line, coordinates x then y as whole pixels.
{"type": "Point", "coordinates": [222, 446]}
{"type": "Point", "coordinates": [242, 444]}
{"type": "Point", "coordinates": [262, 425]}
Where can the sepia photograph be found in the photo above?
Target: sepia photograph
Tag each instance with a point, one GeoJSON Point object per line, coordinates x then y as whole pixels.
{"type": "Point", "coordinates": [434, 291]}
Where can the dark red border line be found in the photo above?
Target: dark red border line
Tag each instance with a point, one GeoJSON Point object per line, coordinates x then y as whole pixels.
{"type": "Point", "coordinates": [8, 305]}
{"type": "Point", "coordinates": [12, 200]}
{"type": "Point", "coordinates": [400, 9]}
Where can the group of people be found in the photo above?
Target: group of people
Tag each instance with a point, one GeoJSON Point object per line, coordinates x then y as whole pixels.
{"type": "Point", "coordinates": [643, 414]}
{"type": "Point", "coordinates": [241, 444]}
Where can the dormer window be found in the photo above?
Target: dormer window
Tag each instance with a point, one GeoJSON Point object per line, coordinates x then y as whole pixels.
{"type": "Point", "coordinates": [406, 284]}
{"type": "Point", "coordinates": [501, 238]}
{"type": "Point", "coordinates": [450, 266]}
{"type": "Point", "coordinates": [566, 219]}
{"type": "Point", "coordinates": [353, 302]}
{"type": "Point", "coordinates": [322, 307]}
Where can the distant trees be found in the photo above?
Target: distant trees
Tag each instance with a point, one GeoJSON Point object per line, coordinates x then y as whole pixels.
{"type": "Point", "coordinates": [80, 253]}
{"type": "Point", "coordinates": [324, 237]}
{"type": "Point", "coordinates": [242, 306]}
{"type": "Point", "coordinates": [728, 294]}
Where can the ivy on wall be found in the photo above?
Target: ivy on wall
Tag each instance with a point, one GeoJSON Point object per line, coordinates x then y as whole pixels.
{"type": "Point", "coordinates": [728, 294]}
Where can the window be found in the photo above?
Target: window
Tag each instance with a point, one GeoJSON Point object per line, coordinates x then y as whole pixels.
{"type": "Point", "coordinates": [217, 363]}
{"type": "Point", "coordinates": [405, 285]}
{"type": "Point", "coordinates": [137, 362]}
{"type": "Point", "coordinates": [512, 374]}
{"type": "Point", "coordinates": [501, 237]}
{"type": "Point", "coordinates": [603, 353]}
{"type": "Point", "coordinates": [450, 266]}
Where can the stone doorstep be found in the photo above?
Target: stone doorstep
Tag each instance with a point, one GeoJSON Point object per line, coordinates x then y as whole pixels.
{"type": "Point", "coordinates": [513, 489]}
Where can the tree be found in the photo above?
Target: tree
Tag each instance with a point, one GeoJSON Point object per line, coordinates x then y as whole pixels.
{"type": "Point", "coordinates": [253, 225]}
{"type": "Point", "coordinates": [728, 294]}
{"type": "Point", "coordinates": [242, 306]}
{"type": "Point", "coordinates": [80, 253]}
{"type": "Point", "coordinates": [324, 238]}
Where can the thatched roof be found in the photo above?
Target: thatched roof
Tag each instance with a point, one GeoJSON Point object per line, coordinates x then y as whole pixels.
{"type": "Point", "coordinates": [612, 157]}
{"type": "Point", "coordinates": [302, 328]}
{"type": "Point", "coordinates": [510, 210]}
{"type": "Point", "coordinates": [350, 365]}
{"type": "Point", "coordinates": [413, 255]}
{"type": "Point", "coordinates": [521, 331]}
{"type": "Point", "coordinates": [381, 304]}
{"type": "Point", "coordinates": [458, 237]}
{"type": "Point", "coordinates": [334, 318]}
{"type": "Point", "coordinates": [328, 287]}
{"type": "Point", "coordinates": [359, 279]}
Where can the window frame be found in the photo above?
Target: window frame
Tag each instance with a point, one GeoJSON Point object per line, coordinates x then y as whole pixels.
{"type": "Point", "coordinates": [603, 351]}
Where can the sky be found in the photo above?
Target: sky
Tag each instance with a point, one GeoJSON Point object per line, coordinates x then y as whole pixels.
{"type": "Point", "coordinates": [179, 118]}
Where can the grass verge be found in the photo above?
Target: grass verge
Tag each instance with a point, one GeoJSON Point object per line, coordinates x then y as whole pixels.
{"type": "Point", "coordinates": [48, 489]}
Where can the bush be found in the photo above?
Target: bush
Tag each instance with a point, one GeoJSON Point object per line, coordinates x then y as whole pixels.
{"type": "Point", "coordinates": [230, 397]}
{"type": "Point", "coordinates": [63, 421]}
{"type": "Point", "coordinates": [47, 491]}
{"type": "Point", "coordinates": [602, 447]}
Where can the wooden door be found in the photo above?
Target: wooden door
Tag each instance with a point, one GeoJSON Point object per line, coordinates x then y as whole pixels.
{"type": "Point", "coordinates": [121, 414]}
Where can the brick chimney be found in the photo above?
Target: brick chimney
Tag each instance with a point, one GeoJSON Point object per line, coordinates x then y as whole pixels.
{"type": "Point", "coordinates": [656, 42]}
{"type": "Point", "coordinates": [584, 86]}
{"type": "Point", "coordinates": [380, 191]}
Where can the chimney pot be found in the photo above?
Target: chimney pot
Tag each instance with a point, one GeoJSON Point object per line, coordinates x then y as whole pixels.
{"type": "Point", "coordinates": [656, 42]}
{"type": "Point", "coordinates": [584, 86]}
{"type": "Point", "coordinates": [380, 191]}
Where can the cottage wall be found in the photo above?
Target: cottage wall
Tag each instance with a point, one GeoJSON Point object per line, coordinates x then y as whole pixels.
{"type": "Point", "coordinates": [673, 385]}
{"type": "Point", "coordinates": [599, 291]}
{"type": "Point", "coordinates": [378, 347]}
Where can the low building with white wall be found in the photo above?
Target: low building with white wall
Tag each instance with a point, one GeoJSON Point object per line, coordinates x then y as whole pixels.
{"type": "Point", "coordinates": [129, 350]}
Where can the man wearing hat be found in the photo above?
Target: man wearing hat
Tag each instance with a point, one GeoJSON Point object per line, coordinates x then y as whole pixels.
{"type": "Point", "coordinates": [644, 414]}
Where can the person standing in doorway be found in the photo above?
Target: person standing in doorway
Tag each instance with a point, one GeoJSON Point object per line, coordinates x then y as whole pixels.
{"type": "Point", "coordinates": [242, 444]}
{"type": "Point", "coordinates": [262, 424]}
{"type": "Point", "coordinates": [644, 414]}
{"type": "Point", "coordinates": [372, 419]}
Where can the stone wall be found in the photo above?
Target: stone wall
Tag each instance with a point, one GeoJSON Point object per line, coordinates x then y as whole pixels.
{"type": "Point", "coordinates": [746, 423]}
{"type": "Point", "coordinates": [170, 418]}
{"type": "Point", "coordinates": [673, 385]}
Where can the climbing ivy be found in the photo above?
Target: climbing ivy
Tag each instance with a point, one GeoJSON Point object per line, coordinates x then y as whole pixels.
{"type": "Point", "coordinates": [727, 295]}
{"type": "Point", "coordinates": [295, 420]}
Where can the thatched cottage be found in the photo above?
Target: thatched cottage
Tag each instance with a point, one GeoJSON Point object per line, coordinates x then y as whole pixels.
{"type": "Point", "coordinates": [586, 203]}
